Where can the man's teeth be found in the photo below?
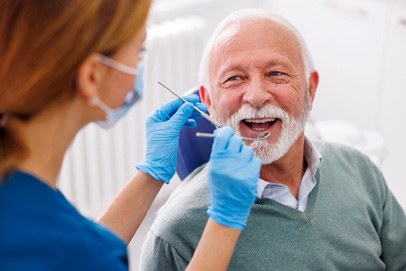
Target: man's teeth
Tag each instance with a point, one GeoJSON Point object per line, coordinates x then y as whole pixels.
{"type": "Point", "coordinates": [259, 124]}
{"type": "Point", "coordinates": [259, 120]}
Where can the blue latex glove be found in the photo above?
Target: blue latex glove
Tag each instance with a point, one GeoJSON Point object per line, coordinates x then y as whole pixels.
{"type": "Point", "coordinates": [163, 128]}
{"type": "Point", "coordinates": [233, 179]}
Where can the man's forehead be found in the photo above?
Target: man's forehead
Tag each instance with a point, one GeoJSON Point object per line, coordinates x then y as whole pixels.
{"type": "Point", "coordinates": [251, 36]}
{"type": "Point", "coordinates": [245, 35]}
{"type": "Point", "coordinates": [250, 30]}
{"type": "Point", "coordinates": [227, 34]}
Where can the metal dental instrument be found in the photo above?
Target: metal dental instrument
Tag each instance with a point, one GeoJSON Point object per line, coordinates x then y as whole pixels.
{"type": "Point", "coordinates": [206, 116]}
{"type": "Point", "coordinates": [260, 137]}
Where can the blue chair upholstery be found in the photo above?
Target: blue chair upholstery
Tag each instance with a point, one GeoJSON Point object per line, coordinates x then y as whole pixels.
{"type": "Point", "coordinates": [193, 151]}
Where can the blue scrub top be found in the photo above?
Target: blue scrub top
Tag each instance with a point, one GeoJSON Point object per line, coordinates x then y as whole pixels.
{"type": "Point", "coordinates": [41, 230]}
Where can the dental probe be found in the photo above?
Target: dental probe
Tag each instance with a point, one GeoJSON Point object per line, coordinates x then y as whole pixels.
{"type": "Point", "coordinates": [204, 115]}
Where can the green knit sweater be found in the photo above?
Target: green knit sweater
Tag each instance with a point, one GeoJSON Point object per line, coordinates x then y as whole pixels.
{"type": "Point", "coordinates": [352, 222]}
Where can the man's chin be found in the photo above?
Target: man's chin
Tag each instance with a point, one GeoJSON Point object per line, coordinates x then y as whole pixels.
{"type": "Point", "coordinates": [267, 152]}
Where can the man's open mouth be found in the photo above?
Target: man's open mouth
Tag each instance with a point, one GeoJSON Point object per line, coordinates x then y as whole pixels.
{"type": "Point", "coordinates": [254, 127]}
{"type": "Point", "coordinates": [261, 125]}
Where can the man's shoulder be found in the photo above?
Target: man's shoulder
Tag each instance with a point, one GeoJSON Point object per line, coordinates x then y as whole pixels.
{"type": "Point", "coordinates": [336, 152]}
{"type": "Point", "coordinates": [349, 166]}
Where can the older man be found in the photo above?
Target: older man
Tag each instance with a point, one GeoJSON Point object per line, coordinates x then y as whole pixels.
{"type": "Point", "coordinates": [320, 206]}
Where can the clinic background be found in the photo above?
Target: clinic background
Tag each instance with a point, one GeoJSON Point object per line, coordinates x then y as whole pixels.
{"type": "Point", "coordinates": [358, 47]}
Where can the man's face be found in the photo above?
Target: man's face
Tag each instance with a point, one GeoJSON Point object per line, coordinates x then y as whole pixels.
{"type": "Point", "coordinates": [258, 85]}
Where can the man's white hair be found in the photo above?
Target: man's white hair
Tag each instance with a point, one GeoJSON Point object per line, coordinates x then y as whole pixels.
{"type": "Point", "coordinates": [250, 15]}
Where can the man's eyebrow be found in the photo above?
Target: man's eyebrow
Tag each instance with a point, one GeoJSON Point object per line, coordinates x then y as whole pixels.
{"type": "Point", "coordinates": [275, 61]}
{"type": "Point", "coordinates": [231, 68]}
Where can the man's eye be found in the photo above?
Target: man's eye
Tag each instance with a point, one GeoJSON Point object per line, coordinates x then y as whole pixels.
{"type": "Point", "coordinates": [234, 78]}
{"type": "Point", "coordinates": [275, 73]}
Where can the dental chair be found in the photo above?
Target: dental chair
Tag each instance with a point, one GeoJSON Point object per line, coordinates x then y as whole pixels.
{"type": "Point", "coordinates": [193, 151]}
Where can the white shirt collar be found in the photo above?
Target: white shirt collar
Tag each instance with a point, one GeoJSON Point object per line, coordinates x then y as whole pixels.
{"type": "Point", "coordinates": [281, 193]}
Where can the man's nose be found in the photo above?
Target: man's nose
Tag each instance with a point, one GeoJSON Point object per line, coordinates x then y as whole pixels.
{"type": "Point", "coordinates": [257, 93]}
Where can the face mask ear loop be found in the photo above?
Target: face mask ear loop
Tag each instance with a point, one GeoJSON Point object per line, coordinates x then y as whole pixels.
{"type": "Point", "coordinates": [117, 65]}
{"type": "Point", "coordinates": [95, 101]}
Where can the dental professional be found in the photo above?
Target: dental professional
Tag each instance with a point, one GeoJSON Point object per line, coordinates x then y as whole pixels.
{"type": "Point", "coordinates": [65, 64]}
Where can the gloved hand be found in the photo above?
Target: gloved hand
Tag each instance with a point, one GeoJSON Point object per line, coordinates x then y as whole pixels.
{"type": "Point", "coordinates": [163, 128]}
{"type": "Point", "coordinates": [233, 179]}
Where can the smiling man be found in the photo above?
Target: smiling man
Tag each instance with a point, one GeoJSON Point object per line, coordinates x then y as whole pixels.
{"type": "Point", "coordinates": [320, 206]}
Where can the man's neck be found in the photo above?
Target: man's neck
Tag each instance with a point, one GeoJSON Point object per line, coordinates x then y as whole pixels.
{"type": "Point", "coordinates": [289, 169]}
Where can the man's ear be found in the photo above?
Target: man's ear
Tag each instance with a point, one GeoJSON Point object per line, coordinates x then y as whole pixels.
{"type": "Point", "coordinates": [313, 84]}
{"type": "Point", "coordinates": [88, 78]}
{"type": "Point", "coordinates": [205, 96]}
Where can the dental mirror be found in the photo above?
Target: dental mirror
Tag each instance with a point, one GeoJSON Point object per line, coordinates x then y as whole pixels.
{"type": "Point", "coordinates": [260, 137]}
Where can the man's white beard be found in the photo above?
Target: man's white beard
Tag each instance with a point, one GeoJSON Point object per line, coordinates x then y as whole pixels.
{"type": "Point", "coordinates": [291, 128]}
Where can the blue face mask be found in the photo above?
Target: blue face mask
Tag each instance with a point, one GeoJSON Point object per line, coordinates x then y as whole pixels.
{"type": "Point", "coordinates": [114, 115]}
